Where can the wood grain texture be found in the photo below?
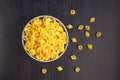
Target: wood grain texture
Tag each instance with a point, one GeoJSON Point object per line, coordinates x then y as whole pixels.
{"type": "Point", "coordinates": [102, 63]}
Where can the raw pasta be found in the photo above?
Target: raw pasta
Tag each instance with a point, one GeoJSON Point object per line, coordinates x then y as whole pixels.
{"type": "Point", "coordinates": [59, 68]}
{"type": "Point", "coordinates": [44, 38]}
{"type": "Point", "coordinates": [77, 69]}
{"type": "Point", "coordinates": [72, 12]}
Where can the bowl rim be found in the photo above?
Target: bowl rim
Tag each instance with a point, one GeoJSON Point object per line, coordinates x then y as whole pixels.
{"type": "Point", "coordinates": [65, 29]}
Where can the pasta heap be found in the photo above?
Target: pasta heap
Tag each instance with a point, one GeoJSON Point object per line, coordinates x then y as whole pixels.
{"type": "Point", "coordinates": [44, 38]}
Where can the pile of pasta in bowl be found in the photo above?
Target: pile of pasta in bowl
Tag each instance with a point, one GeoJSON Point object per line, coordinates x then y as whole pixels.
{"type": "Point", "coordinates": [45, 38]}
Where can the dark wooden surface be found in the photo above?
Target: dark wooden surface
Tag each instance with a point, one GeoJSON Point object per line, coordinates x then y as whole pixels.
{"type": "Point", "coordinates": [102, 63]}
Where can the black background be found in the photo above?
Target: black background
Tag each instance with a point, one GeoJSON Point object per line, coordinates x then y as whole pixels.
{"type": "Point", "coordinates": [101, 63]}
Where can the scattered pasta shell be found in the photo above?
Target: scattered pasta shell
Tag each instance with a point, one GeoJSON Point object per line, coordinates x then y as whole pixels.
{"type": "Point", "coordinates": [77, 69]}
{"type": "Point", "coordinates": [80, 47]}
{"type": "Point", "coordinates": [80, 27]}
{"type": "Point", "coordinates": [73, 57]}
{"type": "Point", "coordinates": [87, 27]}
{"type": "Point", "coordinates": [98, 34]}
{"type": "Point", "coordinates": [92, 19]}
{"type": "Point", "coordinates": [87, 34]}
{"type": "Point", "coordinates": [72, 12]}
{"type": "Point", "coordinates": [69, 26]}
{"type": "Point", "coordinates": [59, 68]}
{"type": "Point", "coordinates": [90, 46]}
{"type": "Point", "coordinates": [73, 40]}
{"type": "Point", "coordinates": [44, 71]}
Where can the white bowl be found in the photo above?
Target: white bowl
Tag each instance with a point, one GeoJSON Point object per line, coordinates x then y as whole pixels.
{"type": "Point", "coordinates": [64, 30]}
